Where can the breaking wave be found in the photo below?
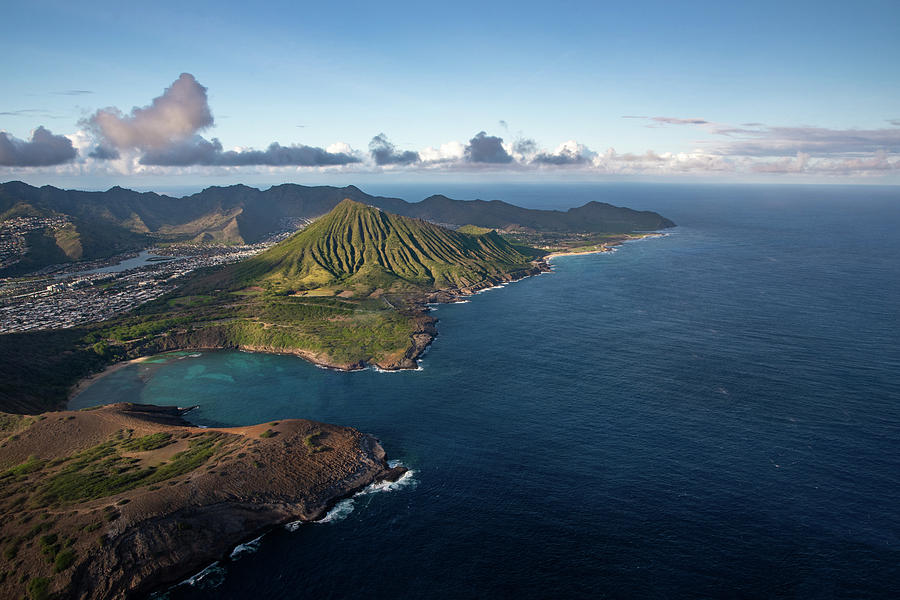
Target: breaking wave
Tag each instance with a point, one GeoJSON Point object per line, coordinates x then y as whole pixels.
{"type": "Point", "coordinates": [248, 548]}
{"type": "Point", "coordinates": [342, 509]}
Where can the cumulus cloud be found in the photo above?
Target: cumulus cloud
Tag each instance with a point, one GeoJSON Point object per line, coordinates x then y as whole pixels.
{"type": "Point", "coordinates": [195, 151]}
{"type": "Point", "coordinates": [199, 151]}
{"type": "Point", "coordinates": [169, 132]}
{"type": "Point", "coordinates": [445, 153]}
{"type": "Point", "coordinates": [568, 153]}
{"type": "Point", "coordinates": [484, 148]}
{"type": "Point", "coordinates": [43, 149]}
{"type": "Point", "coordinates": [102, 152]}
{"type": "Point", "coordinates": [647, 157]}
{"type": "Point", "coordinates": [525, 147]}
{"type": "Point", "coordinates": [784, 165]}
{"type": "Point", "coordinates": [385, 153]}
{"type": "Point", "coordinates": [178, 114]}
{"type": "Point", "coordinates": [166, 133]}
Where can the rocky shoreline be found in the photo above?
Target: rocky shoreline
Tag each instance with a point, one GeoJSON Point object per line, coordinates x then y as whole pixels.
{"type": "Point", "coordinates": [142, 537]}
{"type": "Point", "coordinates": [420, 339]}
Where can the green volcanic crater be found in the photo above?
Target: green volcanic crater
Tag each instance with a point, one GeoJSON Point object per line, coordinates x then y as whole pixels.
{"type": "Point", "coordinates": [364, 248]}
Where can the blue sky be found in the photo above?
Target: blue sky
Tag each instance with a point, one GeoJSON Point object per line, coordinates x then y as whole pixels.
{"type": "Point", "coordinates": [796, 91]}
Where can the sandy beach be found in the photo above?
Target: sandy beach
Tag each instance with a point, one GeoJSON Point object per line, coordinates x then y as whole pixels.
{"type": "Point", "coordinates": [86, 381]}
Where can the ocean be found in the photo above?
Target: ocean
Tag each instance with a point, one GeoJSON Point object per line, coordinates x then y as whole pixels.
{"type": "Point", "coordinates": [710, 414]}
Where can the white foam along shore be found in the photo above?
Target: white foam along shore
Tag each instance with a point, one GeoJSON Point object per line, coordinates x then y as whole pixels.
{"type": "Point", "coordinates": [604, 249]}
{"type": "Point", "coordinates": [342, 509]}
{"type": "Point", "coordinates": [210, 577]}
{"type": "Point", "coordinates": [377, 369]}
{"type": "Point", "coordinates": [84, 383]}
{"type": "Point", "coordinates": [213, 575]}
{"type": "Point", "coordinates": [247, 548]}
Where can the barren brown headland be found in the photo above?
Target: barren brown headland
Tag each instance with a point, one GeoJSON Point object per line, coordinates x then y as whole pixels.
{"type": "Point", "coordinates": [120, 500]}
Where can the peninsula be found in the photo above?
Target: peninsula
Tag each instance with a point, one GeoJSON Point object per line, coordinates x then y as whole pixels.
{"type": "Point", "coordinates": [348, 291]}
{"type": "Point", "coordinates": [121, 500]}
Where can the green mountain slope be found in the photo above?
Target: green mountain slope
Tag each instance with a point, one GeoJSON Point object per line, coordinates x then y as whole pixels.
{"type": "Point", "coordinates": [364, 248]}
{"type": "Point", "coordinates": [346, 292]}
{"type": "Point", "coordinates": [119, 219]}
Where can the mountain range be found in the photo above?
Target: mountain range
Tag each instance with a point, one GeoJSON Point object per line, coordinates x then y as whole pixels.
{"type": "Point", "coordinates": [118, 219]}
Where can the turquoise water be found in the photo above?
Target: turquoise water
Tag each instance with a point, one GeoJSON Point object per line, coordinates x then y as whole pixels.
{"type": "Point", "coordinates": [714, 413]}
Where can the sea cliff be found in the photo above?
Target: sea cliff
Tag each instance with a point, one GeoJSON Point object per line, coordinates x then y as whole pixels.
{"type": "Point", "coordinates": [123, 499]}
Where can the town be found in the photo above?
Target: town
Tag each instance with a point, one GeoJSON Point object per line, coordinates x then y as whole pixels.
{"type": "Point", "coordinates": [67, 295]}
{"type": "Point", "coordinates": [13, 232]}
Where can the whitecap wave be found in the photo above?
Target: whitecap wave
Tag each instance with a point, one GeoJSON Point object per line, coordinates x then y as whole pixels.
{"type": "Point", "coordinates": [210, 577]}
{"type": "Point", "coordinates": [380, 370]}
{"type": "Point", "coordinates": [493, 287]}
{"type": "Point", "coordinates": [248, 548]}
{"type": "Point", "coordinates": [339, 512]}
{"type": "Point", "coordinates": [407, 480]}
{"type": "Point", "coordinates": [342, 509]}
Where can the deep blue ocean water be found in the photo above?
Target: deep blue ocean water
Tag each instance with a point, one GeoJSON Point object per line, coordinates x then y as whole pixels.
{"type": "Point", "coordinates": [714, 413]}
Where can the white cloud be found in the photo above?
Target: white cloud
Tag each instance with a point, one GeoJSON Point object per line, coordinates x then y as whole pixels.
{"type": "Point", "coordinates": [340, 148]}
{"type": "Point", "coordinates": [178, 114]}
{"type": "Point", "coordinates": [447, 152]}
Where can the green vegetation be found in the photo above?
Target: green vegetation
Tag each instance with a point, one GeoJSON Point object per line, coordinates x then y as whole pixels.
{"type": "Point", "coordinates": [474, 230]}
{"type": "Point", "coordinates": [12, 423]}
{"type": "Point", "coordinates": [63, 560]}
{"type": "Point", "coordinates": [346, 291]}
{"type": "Point", "coordinates": [148, 442]}
{"type": "Point", "coordinates": [144, 327]}
{"type": "Point", "coordinates": [11, 550]}
{"type": "Point", "coordinates": [357, 246]}
{"type": "Point", "coordinates": [29, 466]}
{"type": "Point", "coordinates": [50, 547]}
{"type": "Point", "coordinates": [106, 223]}
{"type": "Point", "coordinates": [38, 588]}
{"type": "Point", "coordinates": [312, 445]}
{"type": "Point", "coordinates": [101, 471]}
{"type": "Point", "coordinates": [268, 433]}
{"type": "Point", "coordinates": [39, 367]}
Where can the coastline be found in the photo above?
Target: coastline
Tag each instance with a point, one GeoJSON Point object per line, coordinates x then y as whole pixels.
{"type": "Point", "coordinates": [553, 255]}
{"type": "Point", "coordinates": [248, 480]}
{"type": "Point", "coordinates": [368, 445]}
{"type": "Point", "coordinates": [421, 339]}
{"type": "Point", "coordinates": [606, 246]}
{"type": "Point", "coordinates": [85, 382]}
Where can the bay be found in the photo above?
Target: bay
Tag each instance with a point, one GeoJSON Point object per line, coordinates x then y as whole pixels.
{"type": "Point", "coordinates": [713, 413]}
